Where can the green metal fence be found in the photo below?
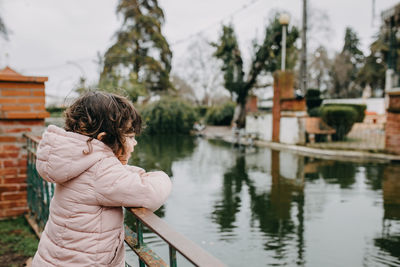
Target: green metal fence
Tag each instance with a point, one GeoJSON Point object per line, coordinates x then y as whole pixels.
{"type": "Point", "coordinates": [39, 190]}
{"type": "Point", "coordinates": [40, 193]}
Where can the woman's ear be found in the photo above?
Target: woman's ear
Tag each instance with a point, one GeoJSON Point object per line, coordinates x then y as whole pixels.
{"type": "Point", "coordinates": [100, 136]}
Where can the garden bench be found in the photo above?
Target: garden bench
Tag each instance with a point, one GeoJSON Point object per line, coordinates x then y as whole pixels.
{"type": "Point", "coordinates": [315, 126]}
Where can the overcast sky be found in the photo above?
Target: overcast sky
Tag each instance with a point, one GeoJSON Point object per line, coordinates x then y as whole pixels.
{"type": "Point", "coordinates": [60, 39]}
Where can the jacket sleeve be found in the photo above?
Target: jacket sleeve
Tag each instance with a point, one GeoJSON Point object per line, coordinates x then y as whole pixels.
{"type": "Point", "coordinates": [135, 169]}
{"type": "Point", "coordinates": [116, 185]}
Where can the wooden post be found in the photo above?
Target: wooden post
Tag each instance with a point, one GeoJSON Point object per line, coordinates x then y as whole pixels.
{"type": "Point", "coordinates": [22, 110]}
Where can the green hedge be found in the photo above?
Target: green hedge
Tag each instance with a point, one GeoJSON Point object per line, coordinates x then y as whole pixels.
{"type": "Point", "coordinates": [56, 112]}
{"type": "Point", "coordinates": [169, 115]}
{"type": "Point", "coordinates": [54, 109]}
{"type": "Point", "coordinates": [341, 118]}
{"type": "Point", "coordinates": [359, 108]}
{"type": "Point", "coordinates": [202, 110]}
{"type": "Point", "coordinates": [313, 100]}
{"type": "Point", "coordinates": [220, 115]}
{"type": "Point", "coordinates": [315, 112]}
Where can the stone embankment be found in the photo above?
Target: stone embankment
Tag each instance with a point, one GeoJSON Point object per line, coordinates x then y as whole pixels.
{"type": "Point", "coordinates": [228, 135]}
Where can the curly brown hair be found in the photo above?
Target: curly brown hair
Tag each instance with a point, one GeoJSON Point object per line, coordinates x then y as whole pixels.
{"type": "Point", "coordinates": [97, 112]}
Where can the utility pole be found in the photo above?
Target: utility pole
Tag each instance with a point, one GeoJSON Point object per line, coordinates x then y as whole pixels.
{"type": "Point", "coordinates": [373, 14]}
{"type": "Point", "coordinates": [284, 21]}
{"type": "Point", "coordinates": [303, 67]}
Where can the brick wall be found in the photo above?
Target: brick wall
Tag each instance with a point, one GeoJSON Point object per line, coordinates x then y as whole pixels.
{"type": "Point", "coordinates": [391, 189]}
{"type": "Point", "coordinates": [283, 89]}
{"type": "Point", "coordinates": [22, 101]}
{"type": "Point", "coordinates": [293, 104]}
{"type": "Point", "coordinates": [22, 110]}
{"type": "Point", "coordinates": [251, 104]}
{"type": "Point", "coordinates": [392, 129]}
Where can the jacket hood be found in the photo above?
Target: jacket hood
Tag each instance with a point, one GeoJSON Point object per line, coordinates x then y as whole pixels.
{"type": "Point", "coordinates": [60, 155]}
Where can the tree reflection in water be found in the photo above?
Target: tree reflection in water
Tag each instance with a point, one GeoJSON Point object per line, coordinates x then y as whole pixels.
{"type": "Point", "coordinates": [377, 177]}
{"type": "Point", "coordinates": [333, 172]}
{"type": "Point", "coordinates": [374, 174]}
{"type": "Point", "coordinates": [389, 241]}
{"type": "Point", "coordinates": [273, 210]}
{"type": "Point", "coordinates": [158, 152]}
{"type": "Point", "coordinates": [225, 211]}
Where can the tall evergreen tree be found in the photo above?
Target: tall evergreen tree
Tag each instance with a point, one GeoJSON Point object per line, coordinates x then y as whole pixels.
{"type": "Point", "coordinates": [141, 54]}
{"type": "Point", "coordinates": [341, 74]}
{"type": "Point", "coordinates": [266, 58]}
{"type": "Point", "coordinates": [320, 64]}
{"type": "Point", "coordinates": [273, 40]}
{"type": "Point", "coordinates": [346, 66]}
{"type": "Point", "coordinates": [351, 46]}
{"type": "Point", "coordinates": [372, 73]}
{"type": "Point", "coordinates": [3, 29]}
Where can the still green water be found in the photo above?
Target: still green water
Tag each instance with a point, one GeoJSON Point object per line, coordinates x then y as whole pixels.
{"type": "Point", "coordinates": [259, 207]}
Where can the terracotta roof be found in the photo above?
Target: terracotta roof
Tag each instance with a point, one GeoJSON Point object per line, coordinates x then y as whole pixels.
{"type": "Point", "coordinates": [9, 71]}
{"type": "Point", "coordinates": [10, 75]}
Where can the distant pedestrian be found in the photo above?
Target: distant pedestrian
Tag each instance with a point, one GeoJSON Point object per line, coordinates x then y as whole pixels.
{"type": "Point", "coordinates": [87, 161]}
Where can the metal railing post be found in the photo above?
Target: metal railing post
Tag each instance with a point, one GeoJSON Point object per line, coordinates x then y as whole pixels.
{"type": "Point", "coordinates": [139, 232]}
{"type": "Point", "coordinates": [172, 257]}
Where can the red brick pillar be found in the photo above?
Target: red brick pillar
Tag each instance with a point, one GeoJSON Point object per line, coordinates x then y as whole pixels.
{"type": "Point", "coordinates": [251, 104]}
{"type": "Point", "coordinates": [392, 129]}
{"type": "Point", "coordinates": [283, 88]}
{"type": "Point", "coordinates": [391, 189]}
{"type": "Point", "coordinates": [22, 110]}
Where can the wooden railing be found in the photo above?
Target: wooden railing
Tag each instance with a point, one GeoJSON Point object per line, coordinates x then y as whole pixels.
{"type": "Point", "coordinates": [40, 193]}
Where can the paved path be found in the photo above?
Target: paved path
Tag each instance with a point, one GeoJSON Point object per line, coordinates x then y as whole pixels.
{"type": "Point", "coordinates": [343, 151]}
{"type": "Point", "coordinates": [363, 137]}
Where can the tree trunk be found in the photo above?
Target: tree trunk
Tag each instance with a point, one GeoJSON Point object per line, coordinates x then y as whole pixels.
{"type": "Point", "coordinates": [239, 117]}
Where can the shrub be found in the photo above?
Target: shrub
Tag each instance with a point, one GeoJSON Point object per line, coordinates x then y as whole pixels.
{"type": "Point", "coordinates": [313, 100]}
{"type": "Point", "coordinates": [359, 108]}
{"type": "Point", "coordinates": [314, 112]}
{"type": "Point", "coordinates": [220, 115]}
{"type": "Point", "coordinates": [201, 110]}
{"type": "Point", "coordinates": [169, 115]}
{"type": "Point", "coordinates": [341, 118]}
{"type": "Point", "coordinates": [52, 109]}
{"type": "Point", "coordinates": [55, 111]}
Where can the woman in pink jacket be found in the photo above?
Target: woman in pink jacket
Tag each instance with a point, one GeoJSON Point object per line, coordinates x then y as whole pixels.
{"type": "Point", "coordinates": [87, 161]}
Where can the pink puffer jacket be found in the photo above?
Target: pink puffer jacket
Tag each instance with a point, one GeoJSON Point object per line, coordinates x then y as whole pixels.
{"type": "Point", "coordinates": [85, 226]}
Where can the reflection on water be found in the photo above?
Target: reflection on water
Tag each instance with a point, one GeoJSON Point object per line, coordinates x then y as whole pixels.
{"type": "Point", "coordinates": [160, 151]}
{"type": "Point", "coordinates": [260, 207]}
{"type": "Point", "coordinates": [388, 241]}
{"type": "Point", "coordinates": [333, 172]}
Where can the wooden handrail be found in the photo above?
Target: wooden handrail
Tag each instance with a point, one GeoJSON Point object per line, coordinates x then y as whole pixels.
{"type": "Point", "coordinates": [186, 247]}
{"type": "Point", "coordinates": [34, 138]}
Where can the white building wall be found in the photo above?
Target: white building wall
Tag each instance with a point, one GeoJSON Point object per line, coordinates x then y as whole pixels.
{"type": "Point", "coordinates": [292, 130]}
{"type": "Point", "coordinates": [260, 124]}
{"type": "Point", "coordinates": [288, 165]}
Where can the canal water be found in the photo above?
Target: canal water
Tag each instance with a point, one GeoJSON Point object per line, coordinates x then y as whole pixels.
{"type": "Point", "coordinates": [259, 207]}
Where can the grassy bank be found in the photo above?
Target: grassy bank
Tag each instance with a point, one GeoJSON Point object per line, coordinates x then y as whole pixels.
{"type": "Point", "coordinates": [17, 242]}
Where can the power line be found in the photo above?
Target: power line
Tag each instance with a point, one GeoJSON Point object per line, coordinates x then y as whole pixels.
{"type": "Point", "coordinates": [180, 41]}
{"type": "Point", "coordinates": [231, 15]}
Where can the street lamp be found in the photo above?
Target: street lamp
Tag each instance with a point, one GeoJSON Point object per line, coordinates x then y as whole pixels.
{"type": "Point", "coordinates": [284, 21]}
